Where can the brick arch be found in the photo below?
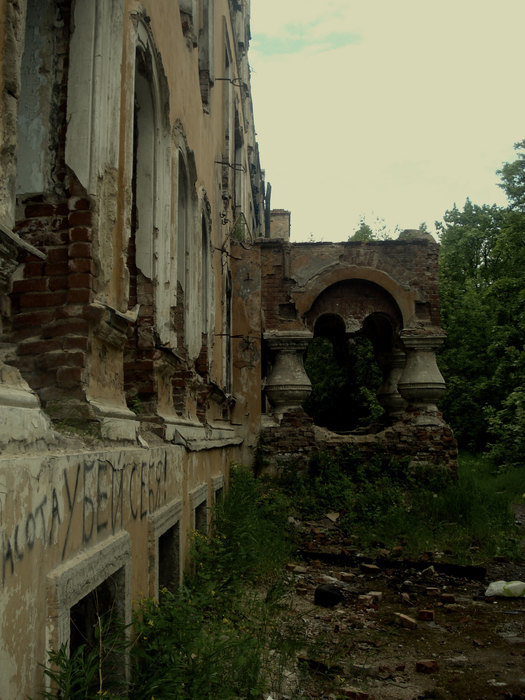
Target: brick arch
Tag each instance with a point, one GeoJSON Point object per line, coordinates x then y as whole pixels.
{"type": "Point", "coordinates": [403, 298]}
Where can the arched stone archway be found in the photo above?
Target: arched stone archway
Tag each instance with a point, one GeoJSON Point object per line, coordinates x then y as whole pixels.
{"type": "Point", "coordinates": [362, 321]}
{"type": "Point", "coordinates": [386, 291]}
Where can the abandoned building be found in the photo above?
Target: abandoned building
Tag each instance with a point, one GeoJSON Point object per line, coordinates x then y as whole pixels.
{"type": "Point", "coordinates": [153, 311]}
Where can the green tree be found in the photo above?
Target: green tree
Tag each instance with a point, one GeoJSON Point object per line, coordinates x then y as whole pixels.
{"type": "Point", "coordinates": [364, 233]}
{"type": "Point", "coordinates": [466, 271]}
{"type": "Point", "coordinates": [482, 269]}
{"type": "Point", "coordinates": [513, 178]}
{"type": "Point", "coordinates": [378, 231]}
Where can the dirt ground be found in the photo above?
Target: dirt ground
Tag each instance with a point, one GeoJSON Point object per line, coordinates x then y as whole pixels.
{"type": "Point", "coordinates": [403, 630]}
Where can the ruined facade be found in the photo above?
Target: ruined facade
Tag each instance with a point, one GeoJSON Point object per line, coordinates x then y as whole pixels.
{"type": "Point", "coordinates": [152, 319]}
{"type": "Point", "coordinates": [384, 290]}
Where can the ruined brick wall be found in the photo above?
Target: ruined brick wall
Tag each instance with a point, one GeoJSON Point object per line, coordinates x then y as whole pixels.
{"type": "Point", "coordinates": [50, 299]}
{"type": "Point", "coordinates": [276, 285]}
{"type": "Point", "coordinates": [290, 445]}
{"type": "Point", "coordinates": [50, 312]}
{"type": "Point", "coordinates": [295, 275]}
{"type": "Point", "coordinates": [386, 289]}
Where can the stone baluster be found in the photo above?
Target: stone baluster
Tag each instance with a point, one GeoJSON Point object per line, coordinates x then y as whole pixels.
{"type": "Point", "coordinates": [388, 393]}
{"type": "Point", "coordinates": [287, 385]}
{"type": "Point", "coordinates": [421, 383]}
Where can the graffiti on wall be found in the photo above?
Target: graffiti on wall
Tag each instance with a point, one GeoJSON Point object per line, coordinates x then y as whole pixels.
{"type": "Point", "coordinates": [93, 497]}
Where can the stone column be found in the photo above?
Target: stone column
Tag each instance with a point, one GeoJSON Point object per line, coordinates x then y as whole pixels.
{"type": "Point", "coordinates": [287, 385]}
{"type": "Point", "coordinates": [388, 393]}
{"type": "Point", "coordinates": [22, 422]}
{"type": "Point", "coordinates": [421, 382]}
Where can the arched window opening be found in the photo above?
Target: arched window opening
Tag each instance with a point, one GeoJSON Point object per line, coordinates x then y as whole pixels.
{"type": "Point", "coordinates": [205, 275]}
{"type": "Point", "coordinates": [228, 334]}
{"type": "Point", "coordinates": [183, 215]}
{"type": "Point", "coordinates": [144, 168]}
{"type": "Point", "coordinates": [344, 375]}
{"type": "Point", "coordinates": [139, 386]}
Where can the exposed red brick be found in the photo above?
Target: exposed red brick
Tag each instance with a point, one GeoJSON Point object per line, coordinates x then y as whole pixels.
{"type": "Point", "coordinates": [35, 210]}
{"type": "Point", "coordinates": [69, 326]}
{"type": "Point", "coordinates": [55, 255]}
{"type": "Point", "coordinates": [38, 380]}
{"type": "Point", "coordinates": [42, 299]}
{"type": "Point", "coordinates": [32, 319]}
{"type": "Point", "coordinates": [76, 343]}
{"type": "Point", "coordinates": [69, 376]}
{"type": "Point", "coordinates": [56, 269]}
{"type": "Point", "coordinates": [38, 346]}
{"type": "Point", "coordinates": [81, 280]}
{"type": "Point", "coordinates": [56, 283]}
{"type": "Point", "coordinates": [80, 250]}
{"type": "Point", "coordinates": [80, 218]}
{"type": "Point", "coordinates": [62, 209]}
{"type": "Point", "coordinates": [79, 296]}
{"type": "Point", "coordinates": [37, 284]}
{"type": "Point", "coordinates": [34, 269]}
{"type": "Point", "coordinates": [79, 204]}
{"type": "Point", "coordinates": [80, 234]}
{"type": "Point", "coordinates": [59, 358]}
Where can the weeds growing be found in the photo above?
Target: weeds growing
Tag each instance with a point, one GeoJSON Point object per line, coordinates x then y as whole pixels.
{"type": "Point", "coordinates": [216, 637]}
{"type": "Point", "coordinates": [227, 632]}
{"type": "Point", "coordinates": [230, 631]}
{"type": "Point", "coordinates": [383, 503]}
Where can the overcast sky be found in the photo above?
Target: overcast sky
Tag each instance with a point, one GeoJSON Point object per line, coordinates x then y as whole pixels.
{"type": "Point", "coordinates": [394, 109]}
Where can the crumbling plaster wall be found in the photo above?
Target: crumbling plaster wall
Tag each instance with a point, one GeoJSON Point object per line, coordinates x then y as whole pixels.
{"type": "Point", "coordinates": [76, 507]}
{"type": "Point", "coordinates": [62, 510]}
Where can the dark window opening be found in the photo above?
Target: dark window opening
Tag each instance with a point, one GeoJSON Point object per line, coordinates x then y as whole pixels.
{"type": "Point", "coordinates": [96, 622]}
{"type": "Point", "coordinates": [201, 518]}
{"type": "Point", "coordinates": [345, 377]}
{"type": "Point", "coordinates": [169, 559]}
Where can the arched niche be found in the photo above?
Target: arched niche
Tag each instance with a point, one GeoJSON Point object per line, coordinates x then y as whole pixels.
{"type": "Point", "coordinates": [403, 298]}
{"type": "Point", "coordinates": [362, 322]}
{"type": "Point", "coordinates": [354, 300]}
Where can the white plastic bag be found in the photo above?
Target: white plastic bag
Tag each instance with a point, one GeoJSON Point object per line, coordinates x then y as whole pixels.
{"type": "Point", "coordinates": [511, 589]}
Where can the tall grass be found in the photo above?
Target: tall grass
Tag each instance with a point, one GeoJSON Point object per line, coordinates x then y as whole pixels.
{"type": "Point", "coordinates": [384, 503]}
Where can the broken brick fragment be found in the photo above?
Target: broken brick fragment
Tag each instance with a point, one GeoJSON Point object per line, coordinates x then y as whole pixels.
{"type": "Point", "coordinates": [427, 615]}
{"type": "Point", "coordinates": [405, 621]}
{"type": "Point", "coordinates": [427, 666]}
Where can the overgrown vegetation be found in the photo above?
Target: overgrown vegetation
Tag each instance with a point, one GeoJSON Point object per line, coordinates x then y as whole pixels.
{"type": "Point", "coordinates": [482, 268]}
{"type": "Point", "coordinates": [383, 504]}
{"type": "Point", "coordinates": [217, 637]}
{"type": "Point", "coordinates": [230, 632]}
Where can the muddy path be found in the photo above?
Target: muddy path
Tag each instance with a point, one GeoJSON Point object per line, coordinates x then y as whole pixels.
{"type": "Point", "coordinates": [402, 629]}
